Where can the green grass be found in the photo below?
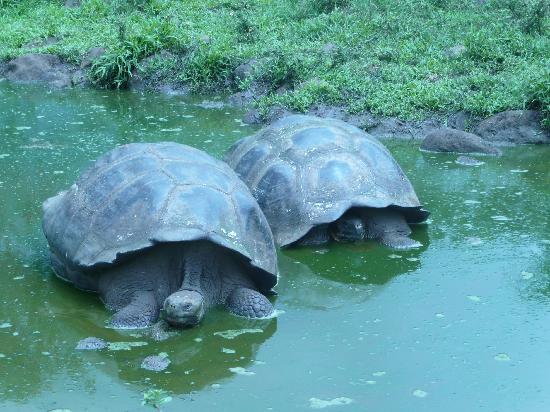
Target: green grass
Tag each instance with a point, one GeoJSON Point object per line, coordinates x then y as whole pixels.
{"type": "Point", "coordinates": [389, 56]}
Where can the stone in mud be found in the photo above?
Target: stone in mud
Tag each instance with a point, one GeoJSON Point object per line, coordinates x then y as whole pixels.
{"type": "Point", "coordinates": [92, 55]}
{"type": "Point", "coordinates": [514, 127]}
{"type": "Point", "coordinates": [44, 68]}
{"type": "Point", "coordinates": [460, 120]}
{"type": "Point", "coordinates": [244, 71]}
{"type": "Point", "coordinates": [91, 343]}
{"type": "Point", "coordinates": [392, 127]}
{"type": "Point", "coordinates": [457, 141]}
{"type": "Point", "coordinates": [156, 363]}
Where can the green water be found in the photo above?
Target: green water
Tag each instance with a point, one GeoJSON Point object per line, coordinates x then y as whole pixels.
{"type": "Point", "coordinates": [461, 325]}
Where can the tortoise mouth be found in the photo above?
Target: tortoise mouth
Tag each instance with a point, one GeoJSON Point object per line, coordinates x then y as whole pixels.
{"type": "Point", "coordinates": [184, 309]}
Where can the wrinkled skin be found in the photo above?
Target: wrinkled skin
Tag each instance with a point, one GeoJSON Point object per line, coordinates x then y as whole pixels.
{"type": "Point", "coordinates": [185, 279]}
{"type": "Point", "coordinates": [387, 226]}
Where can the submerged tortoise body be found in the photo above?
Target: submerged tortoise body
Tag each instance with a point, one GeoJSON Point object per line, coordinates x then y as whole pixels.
{"type": "Point", "coordinates": [308, 172]}
{"type": "Point", "coordinates": [163, 217]}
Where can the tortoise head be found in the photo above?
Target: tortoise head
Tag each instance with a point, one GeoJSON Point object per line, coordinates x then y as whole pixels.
{"type": "Point", "coordinates": [184, 308]}
{"type": "Point", "coordinates": [349, 228]}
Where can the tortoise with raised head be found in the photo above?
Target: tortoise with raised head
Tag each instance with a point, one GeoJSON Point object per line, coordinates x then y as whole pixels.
{"type": "Point", "coordinates": [163, 225]}
{"type": "Point", "coordinates": [321, 179]}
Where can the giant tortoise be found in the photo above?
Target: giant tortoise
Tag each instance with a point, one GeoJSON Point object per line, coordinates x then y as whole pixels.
{"type": "Point", "coordinates": [321, 179]}
{"type": "Point", "coordinates": [162, 225]}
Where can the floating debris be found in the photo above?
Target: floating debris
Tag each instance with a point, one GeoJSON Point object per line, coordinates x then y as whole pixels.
{"type": "Point", "coordinates": [233, 333]}
{"type": "Point", "coordinates": [519, 170]}
{"type": "Point", "coordinates": [474, 298]}
{"type": "Point", "coordinates": [316, 403]}
{"type": "Point", "coordinates": [502, 357]}
{"type": "Point", "coordinates": [380, 373]}
{"type": "Point", "coordinates": [115, 346]}
{"type": "Point", "coordinates": [500, 218]}
{"type": "Point", "coordinates": [526, 275]}
{"type": "Point", "coordinates": [419, 393]}
{"type": "Point", "coordinates": [394, 256]}
{"type": "Point", "coordinates": [5, 325]}
{"type": "Point", "coordinates": [91, 343]}
{"type": "Point", "coordinates": [176, 129]}
{"type": "Point", "coordinates": [2, 355]}
{"type": "Point", "coordinates": [156, 363]}
{"type": "Point", "coordinates": [60, 410]}
{"type": "Point", "coordinates": [439, 315]}
{"type": "Point", "coordinates": [471, 202]}
{"type": "Point", "coordinates": [241, 371]}
{"type": "Point", "coordinates": [474, 241]}
{"type": "Point", "coordinates": [22, 128]}
{"type": "Point", "coordinates": [227, 350]}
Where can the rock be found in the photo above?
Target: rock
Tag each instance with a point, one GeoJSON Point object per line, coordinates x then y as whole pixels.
{"type": "Point", "coordinates": [91, 343]}
{"type": "Point", "coordinates": [276, 113]}
{"type": "Point", "coordinates": [156, 363]}
{"type": "Point", "coordinates": [460, 120]}
{"type": "Point", "coordinates": [241, 99]}
{"type": "Point", "coordinates": [252, 117]}
{"type": "Point", "coordinates": [334, 112]}
{"type": "Point", "coordinates": [146, 78]}
{"type": "Point", "coordinates": [92, 55]}
{"type": "Point", "coordinates": [457, 141]}
{"type": "Point", "coordinates": [243, 71]}
{"type": "Point", "coordinates": [455, 51]}
{"type": "Point", "coordinates": [514, 127]}
{"type": "Point", "coordinates": [249, 96]}
{"type": "Point", "coordinates": [468, 161]}
{"type": "Point", "coordinates": [392, 127]}
{"type": "Point", "coordinates": [46, 68]}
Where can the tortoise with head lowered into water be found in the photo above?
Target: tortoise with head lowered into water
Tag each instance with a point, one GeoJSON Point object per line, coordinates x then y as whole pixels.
{"type": "Point", "coordinates": [321, 179]}
{"type": "Point", "coordinates": [151, 226]}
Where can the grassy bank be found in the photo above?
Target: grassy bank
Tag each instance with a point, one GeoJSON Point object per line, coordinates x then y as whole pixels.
{"type": "Point", "coordinates": [405, 58]}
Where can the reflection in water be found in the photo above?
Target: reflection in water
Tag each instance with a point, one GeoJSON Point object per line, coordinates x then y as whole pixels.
{"type": "Point", "coordinates": [338, 274]}
{"type": "Point", "coordinates": [206, 359]}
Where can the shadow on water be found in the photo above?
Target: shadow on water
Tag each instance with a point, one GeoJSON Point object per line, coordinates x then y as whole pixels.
{"type": "Point", "coordinates": [338, 274]}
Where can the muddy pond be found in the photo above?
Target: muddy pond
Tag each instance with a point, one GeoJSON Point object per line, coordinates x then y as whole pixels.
{"type": "Point", "coordinates": [462, 324]}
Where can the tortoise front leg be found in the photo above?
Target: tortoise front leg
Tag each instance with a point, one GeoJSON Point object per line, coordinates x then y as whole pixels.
{"type": "Point", "coordinates": [142, 311]}
{"type": "Point", "coordinates": [248, 303]}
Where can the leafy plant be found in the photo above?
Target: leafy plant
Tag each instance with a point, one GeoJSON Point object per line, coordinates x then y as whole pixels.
{"type": "Point", "coordinates": [155, 398]}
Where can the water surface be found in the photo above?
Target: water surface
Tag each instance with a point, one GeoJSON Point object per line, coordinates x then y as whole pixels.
{"type": "Point", "coordinates": [462, 324]}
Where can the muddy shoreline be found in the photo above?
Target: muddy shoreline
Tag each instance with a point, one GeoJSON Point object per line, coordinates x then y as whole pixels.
{"type": "Point", "coordinates": [507, 128]}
